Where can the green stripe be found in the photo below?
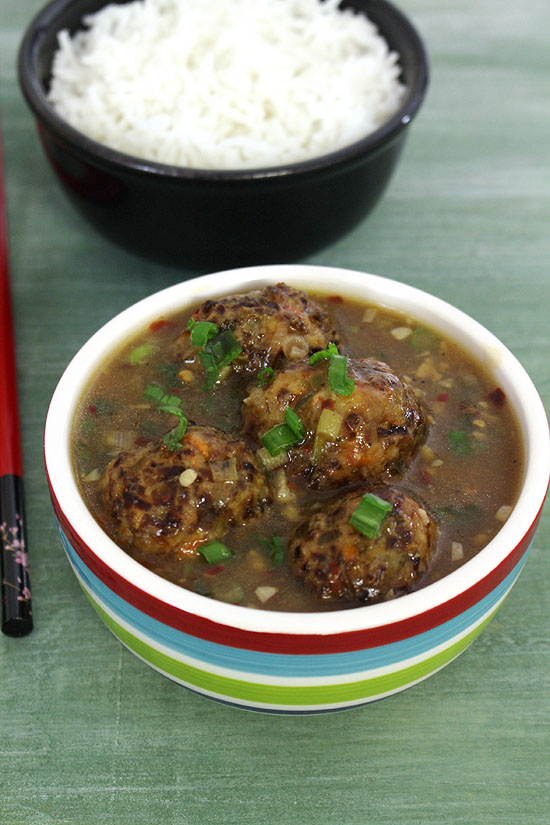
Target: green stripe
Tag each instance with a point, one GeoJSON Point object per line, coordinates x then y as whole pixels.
{"type": "Point", "coordinates": [285, 695]}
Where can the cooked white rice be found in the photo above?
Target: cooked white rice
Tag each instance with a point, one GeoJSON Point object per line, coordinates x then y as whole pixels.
{"type": "Point", "coordinates": [219, 84]}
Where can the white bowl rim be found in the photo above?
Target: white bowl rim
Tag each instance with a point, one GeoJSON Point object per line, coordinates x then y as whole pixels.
{"type": "Point", "coordinates": [410, 300]}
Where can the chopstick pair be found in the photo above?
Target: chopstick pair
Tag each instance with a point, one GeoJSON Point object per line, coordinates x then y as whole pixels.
{"type": "Point", "coordinates": [14, 568]}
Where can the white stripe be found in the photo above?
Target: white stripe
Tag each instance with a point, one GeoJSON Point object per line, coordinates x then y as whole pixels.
{"type": "Point", "coordinates": [270, 679]}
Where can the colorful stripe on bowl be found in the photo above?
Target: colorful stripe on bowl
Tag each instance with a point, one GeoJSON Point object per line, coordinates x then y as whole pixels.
{"type": "Point", "coordinates": [182, 620]}
{"type": "Point", "coordinates": [305, 683]}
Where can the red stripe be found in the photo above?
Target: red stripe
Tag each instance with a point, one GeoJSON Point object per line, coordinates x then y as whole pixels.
{"type": "Point", "coordinates": [288, 643]}
{"type": "Point", "coordinates": [10, 437]}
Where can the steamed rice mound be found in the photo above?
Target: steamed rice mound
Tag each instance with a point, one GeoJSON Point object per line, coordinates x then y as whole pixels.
{"type": "Point", "coordinates": [225, 85]}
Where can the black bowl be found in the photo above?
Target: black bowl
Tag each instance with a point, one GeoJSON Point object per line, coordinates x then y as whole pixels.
{"type": "Point", "coordinates": [213, 219]}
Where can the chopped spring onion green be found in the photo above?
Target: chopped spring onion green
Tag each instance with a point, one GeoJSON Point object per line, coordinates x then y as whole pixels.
{"type": "Point", "coordinates": [265, 376]}
{"type": "Point", "coordinates": [140, 354]}
{"type": "Point", "coordinates": [283, 436]}
{"type": "Point", "coordinates": [201, 332]}
{"type": "Point", "coordinates": [218, 353]}
{"type": "Point", "coordinates": [275, 549]}
{"type": "Point", "coordinates": [172, 439]}
{"type": "Point", "coordinates": [153, 392]}
{"type": "Point", "coordinates": [293, 421]}
{"type": "Point", "coordinates": [458, 442]}
{"type": "Point", "coordinates": [279, 439]}
{"type": "Point", "coordinates": [332, 349]}
{"type": "Point", "coordinates": [171, 405]}
{"type": "Point", "coordinates": [369, 514]}
{"type": "Point", "coordinates": [214, 552]}
{"type": "Point", "coordinates": [338, 380]}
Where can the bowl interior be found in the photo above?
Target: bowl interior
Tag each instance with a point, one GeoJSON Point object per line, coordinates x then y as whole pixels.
{"type": "Point", "coordinates": [478, 341]}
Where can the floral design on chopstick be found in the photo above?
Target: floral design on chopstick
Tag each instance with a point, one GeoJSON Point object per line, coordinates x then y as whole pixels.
{"type": "Point", "coordinates": [12, 538]}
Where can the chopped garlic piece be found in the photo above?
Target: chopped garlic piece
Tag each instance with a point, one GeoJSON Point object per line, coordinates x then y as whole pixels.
{"type": "Point", "coordinates": [94, 475]}
{"type": "Point", "coordinates": [457, 551]}
{"type": "Point", "coordinates": [186, 376]}
{"type": "Point", "coordinates": [503, 512]}
{"type": "Point", "coordinates": [187, 477]}
{"type": "Point", "coordinates": [369, 315]}
{"type": "Point", "coordinates": [400, 333]}
{"type": "Point", "coordinates": [257, 561]}
{"type": "Point", "coordinates": [427, 370]}
{"type": "Point", "coordinates": [479, 422]}
{"type": "Point", "coordinates": [437, 463]}
{"type": "Point", "coordinates": [423, 516]}
{"type": "Point", "coordinates": [265, 593]}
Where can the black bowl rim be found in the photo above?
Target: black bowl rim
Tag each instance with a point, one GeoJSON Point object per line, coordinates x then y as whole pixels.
{"type": "Point", "coordinates": [103, 155]}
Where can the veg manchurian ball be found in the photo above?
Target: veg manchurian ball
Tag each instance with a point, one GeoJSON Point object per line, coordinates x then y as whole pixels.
{"type": "Point", "coordinates": [377, 427]}
{"type": "Point", "coordinates": [270, 324]}
{"type": "Point", "coordinates": [338, 562]}
{"type": "Point", "coordinates": [158, 510]}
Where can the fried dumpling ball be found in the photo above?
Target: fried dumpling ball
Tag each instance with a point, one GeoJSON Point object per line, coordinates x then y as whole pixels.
{"type": "Point", "coordinates": [164, 500]}
{"type": "Point", "coordinates": [278, 322]}
{"type": "Point", "coordinates": [365, 435]}
{"type": "Point", "coordinates": [336, 561]}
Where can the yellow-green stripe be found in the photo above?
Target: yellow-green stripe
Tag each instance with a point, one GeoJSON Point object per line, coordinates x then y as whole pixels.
{"type": "Point", "coordinates": [286, 695]}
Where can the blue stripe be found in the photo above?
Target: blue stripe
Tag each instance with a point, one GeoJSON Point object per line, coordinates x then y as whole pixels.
{"type": "Point", "coordinates": [279, 664]}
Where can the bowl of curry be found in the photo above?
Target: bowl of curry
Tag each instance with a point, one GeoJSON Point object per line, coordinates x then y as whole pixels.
{"type": "Point", "coordinates": [294, 488]}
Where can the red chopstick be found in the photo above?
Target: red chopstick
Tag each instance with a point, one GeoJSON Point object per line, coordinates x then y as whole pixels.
{"type": "Point", "coordinates": [15, 587]}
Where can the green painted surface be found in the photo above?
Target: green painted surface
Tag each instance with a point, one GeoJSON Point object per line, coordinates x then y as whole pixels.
{"type": "Point", "coordinates": [89, 734]}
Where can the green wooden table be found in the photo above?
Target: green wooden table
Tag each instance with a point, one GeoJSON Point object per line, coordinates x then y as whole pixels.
{"type": "Point", "coordinates": [89, 735]}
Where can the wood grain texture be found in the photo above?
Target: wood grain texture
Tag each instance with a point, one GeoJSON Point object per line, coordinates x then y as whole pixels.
{"type": "Point", "coordinates": [89, 735]}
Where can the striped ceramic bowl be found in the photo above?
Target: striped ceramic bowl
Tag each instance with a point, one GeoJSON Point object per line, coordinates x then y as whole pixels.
{"type": "Point", "coordinates": [283, 662]}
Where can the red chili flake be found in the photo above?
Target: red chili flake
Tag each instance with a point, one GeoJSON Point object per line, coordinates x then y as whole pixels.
{"type": "Point", "coordinates": [497, 397]}
{"type": "Point", "coordinates": [156, 325]}
{"type": "Point", "coordinates": [334, 569]}
{"type": "Point", "coordinates": [92, 409]}
{"type": "Point", "coordinates": [162, 322]}
{"type": "Point", "coordinates": [327, 404]}
{"type": "Point", "coordinates": [335, 299]}
{"type": "Point", "coordinates": [443, 396]}
{"type": "Point", "coordinates": [215, 570]}
{"type": "Point", "coordinates": [426, 478]}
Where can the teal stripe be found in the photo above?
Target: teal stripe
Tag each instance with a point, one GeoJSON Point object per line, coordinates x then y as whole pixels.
{"type": "Point", "coordinates": [245, 692]}
{"type": "Point", "coordinates": [278, 664]}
